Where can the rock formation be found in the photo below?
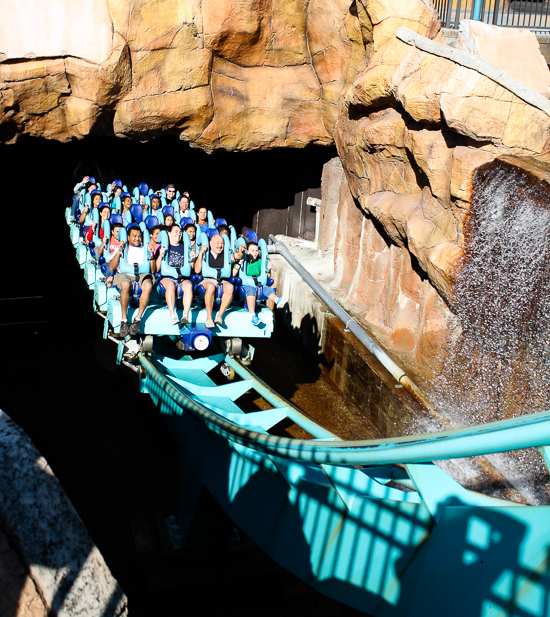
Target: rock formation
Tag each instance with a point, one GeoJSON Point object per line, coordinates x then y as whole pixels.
{"type": "Point", "coordinates": [48, 562]}
{"type": "Point", "coordinates": [230, 74]}
{"type": "Point", "coordinates": [412, 129]}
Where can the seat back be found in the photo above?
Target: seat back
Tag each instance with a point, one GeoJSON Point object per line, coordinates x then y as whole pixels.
{"type": "Point", "coordinates": [151, 221]}
{"type": "Point", "coordinates": [137, 213]}
{"type": "Point", "coordinates": [167, 270]}
{"type": "Point", "coordinates": [207, 271]}
{"type": "Point", "coordinates": [251, 236]}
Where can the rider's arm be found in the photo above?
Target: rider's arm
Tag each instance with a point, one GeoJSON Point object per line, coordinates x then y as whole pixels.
{"type": "Point", "coordinates": [83, 214]}
{"type": "Point", "coordinates": [198, 261]}
{"type": "Point", "coordinates": [113, 264]}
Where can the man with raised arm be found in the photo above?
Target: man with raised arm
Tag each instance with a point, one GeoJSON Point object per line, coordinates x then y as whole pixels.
{"type": "Point", "coordinates": [137, 254]}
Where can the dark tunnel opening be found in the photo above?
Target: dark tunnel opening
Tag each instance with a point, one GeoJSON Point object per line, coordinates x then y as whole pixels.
{"type": "Point", "coordinates": [265, 190]}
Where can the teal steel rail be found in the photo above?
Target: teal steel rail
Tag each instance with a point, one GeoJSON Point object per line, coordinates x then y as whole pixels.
{"type": "Point", "coordinates": [341, 516]}
{"type": "Point", "coordinates": [504, 435]}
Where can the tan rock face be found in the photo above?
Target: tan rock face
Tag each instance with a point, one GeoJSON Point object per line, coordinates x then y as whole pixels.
{"type": "Point", "coordinates": [232, 74]}
{"type": "Point", "coordinates": [413, 128]}
{"type": "Point", "coordinates": [514, 50]}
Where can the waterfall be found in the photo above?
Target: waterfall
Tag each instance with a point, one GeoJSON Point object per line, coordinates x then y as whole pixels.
{"type": "Point", "coordinates": [499, 366]}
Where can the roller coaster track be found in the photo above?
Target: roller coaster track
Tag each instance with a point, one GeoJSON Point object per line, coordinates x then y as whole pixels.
{"type": "Point", "coordinates": [374, 524]}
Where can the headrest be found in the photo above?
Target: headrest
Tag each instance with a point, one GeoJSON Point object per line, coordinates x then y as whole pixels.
{"type": "Point", "coordinates": [91, 180]}
{"type": "Point", "coordinates": [137, 212]}
{"type": "Point", "coordinates": [251, 236]}
{"type": "Point", "coordinates": [151, 221]}
{"type": "Point", "coordinates": [116, 218]}
{"type": "Point", "coordinates": [168, 210]}
{"type": "Point", "coordinates": [95, 192]}
{"type": "Point", "coordinates": [102, 205]}
{"type": "Point", "coordinates": [159, 197]}
{"type": "Point", "coordinates": [211, 232]}
{"type": "Point", "coordinates": [117, 183]}
{"type": "Point", "coordinates": [143, 188]}
{"type": "Point", "coordinates": [132, 226]}
{"type": "Point", "coordinates": [125, 194]}
{"type": "Point", "coordinates": [185, 220]}
{"type": "Point", "coordinates": [219, 222]}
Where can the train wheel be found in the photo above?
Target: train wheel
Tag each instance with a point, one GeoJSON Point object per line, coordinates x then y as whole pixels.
{"type": "Point", "coordinates": [227, 371]}
{"type": "Point", "coordinates": [147, 345]}
{"type": "Point", "coordinates": [233, 346]}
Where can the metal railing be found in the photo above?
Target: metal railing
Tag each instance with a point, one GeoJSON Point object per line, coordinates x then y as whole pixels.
{"type": "Point", "coordinates": [531, 14]}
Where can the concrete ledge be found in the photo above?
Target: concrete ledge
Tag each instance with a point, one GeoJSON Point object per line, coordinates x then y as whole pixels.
{"type": "Point", "coordinates": [475, 64]}
{"type": "Point", "coordinates": [48, 536]}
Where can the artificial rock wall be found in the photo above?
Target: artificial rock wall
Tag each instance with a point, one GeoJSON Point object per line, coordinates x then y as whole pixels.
{"type": "Point", "coordinates": [412, 129]}
{"type": "Point", "coordinates": [232, 74]}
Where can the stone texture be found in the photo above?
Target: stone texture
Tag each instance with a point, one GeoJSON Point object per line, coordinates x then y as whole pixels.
{"type": "Point", "coordinates": [48, 537]}
{"type": "Point", "coordinates": [514, 50]}
{"type": "Point", "coordinates": [18, 595]}
{"type": "Point", "coordinates": [232, 74]}
{"type": "Point", "coordinates": [412, 129]}
{"type": "Point", "coordinates": [36, 29]}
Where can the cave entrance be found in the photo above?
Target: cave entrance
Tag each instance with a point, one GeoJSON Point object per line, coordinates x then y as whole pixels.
{"type": "Point", "coordinates": [265, 190]}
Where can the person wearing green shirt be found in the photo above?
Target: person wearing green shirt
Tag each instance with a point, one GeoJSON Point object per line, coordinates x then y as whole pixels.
{"type": "Point", "coordinates": [254, 269]}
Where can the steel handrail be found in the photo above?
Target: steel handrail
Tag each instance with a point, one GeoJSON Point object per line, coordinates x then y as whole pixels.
{"type": "Point", "coordinates": [351, 324]}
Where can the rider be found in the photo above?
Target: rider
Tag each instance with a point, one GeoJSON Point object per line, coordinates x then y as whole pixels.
{"type": "Point", "coordinates": [137, 255]}
{"type": "Point", "coordinates": [216, 261]}
{"type": "Point", "coordinates": [176, 258]}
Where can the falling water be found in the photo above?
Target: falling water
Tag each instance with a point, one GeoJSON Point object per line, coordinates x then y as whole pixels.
{"type": "Point", "coordinates": [500, 363]}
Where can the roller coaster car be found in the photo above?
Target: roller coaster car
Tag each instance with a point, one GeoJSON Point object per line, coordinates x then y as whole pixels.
{"type": "Point", "coordinates": [155, 320]}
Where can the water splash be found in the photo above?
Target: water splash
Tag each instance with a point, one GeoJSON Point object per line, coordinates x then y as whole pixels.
{"type": "Point", "coordinates": [499, 366]}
